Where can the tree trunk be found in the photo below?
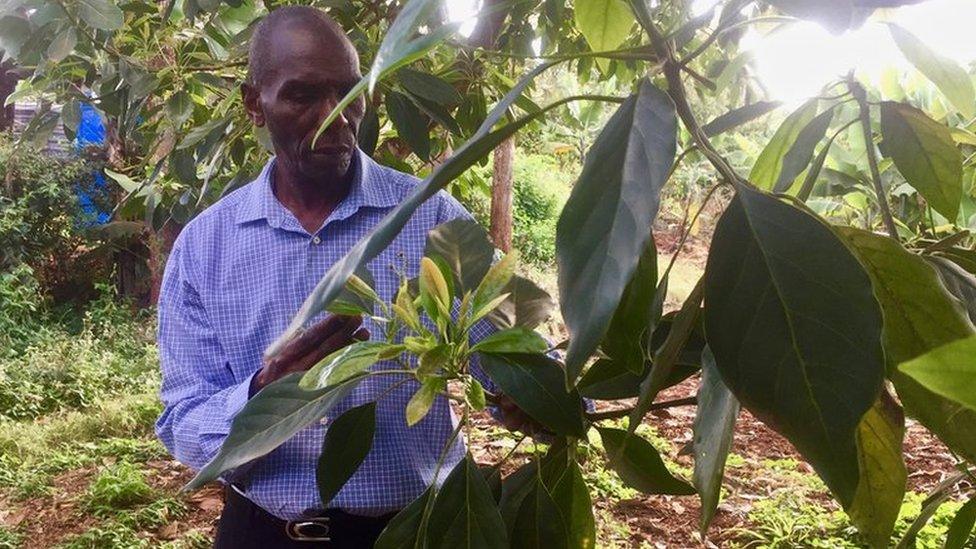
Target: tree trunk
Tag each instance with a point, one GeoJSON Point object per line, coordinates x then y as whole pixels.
{"type": "Point", "coordinates": [501, 194]}
{"type": "Point", "coordinates": [485, 35]}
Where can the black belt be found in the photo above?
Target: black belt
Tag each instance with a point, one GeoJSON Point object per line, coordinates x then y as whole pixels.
{"type": "Point", "coordinates": [331, 528]}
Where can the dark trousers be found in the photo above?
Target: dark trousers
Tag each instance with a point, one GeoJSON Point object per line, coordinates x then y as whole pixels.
{"type": "Point", "coordinates": [244, 525]}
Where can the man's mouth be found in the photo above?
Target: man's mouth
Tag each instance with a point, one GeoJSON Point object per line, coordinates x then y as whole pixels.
{"type": "Point", "coordinates": [331, 150]}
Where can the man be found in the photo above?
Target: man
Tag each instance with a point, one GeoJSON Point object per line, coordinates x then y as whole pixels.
{"type": "Point", "coordinates": [239, 272]}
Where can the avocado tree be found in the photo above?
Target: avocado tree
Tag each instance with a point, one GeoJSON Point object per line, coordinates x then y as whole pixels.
{"type": "Point", "coordinates": [828, 333]}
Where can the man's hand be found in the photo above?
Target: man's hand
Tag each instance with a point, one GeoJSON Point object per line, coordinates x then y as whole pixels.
{"type": "Point", "coordinates": [328, 336]}
{"type": "Point", "coordinates": [515, 419]}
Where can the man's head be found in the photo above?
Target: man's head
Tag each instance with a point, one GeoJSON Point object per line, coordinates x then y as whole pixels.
{"type": "Point", "coordinates": [300, 65]}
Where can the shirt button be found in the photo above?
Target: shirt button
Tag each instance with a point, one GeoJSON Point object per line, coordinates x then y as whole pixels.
{"type": "Point", "coordinates": [324, 421]}
{"type": "Point", "coordinates": [316, 240]}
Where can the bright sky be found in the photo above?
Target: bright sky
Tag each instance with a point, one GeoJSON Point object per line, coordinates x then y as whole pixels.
{"type": "Point", "coordinates": [797, 60]}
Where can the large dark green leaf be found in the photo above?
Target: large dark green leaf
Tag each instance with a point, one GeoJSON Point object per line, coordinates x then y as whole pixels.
{"type": "Point", "coordinates": [539, 523]}
{"type": "Point", "coordinates": [919, 315]}
{"type": "Point", "coordinates": [464, 245]}
{"type": "Point", "coordinates": [538, 385]}
{"type": "Point", "coordinates": [527, 305]}
{"type": "Point", "coordinates": [883, 474]}
{"type": "Point", "coordinates": [179, 108]}
{"type": "Point", "coordinates": [962, 526]}
{"type": "Point", "coordinates": [925, 154]}
{"type": "Point", "coordinates": [62, 45]}
{"type": "Point", "coordinates": [948, 371]}
{"type": "Point", "coordinates": [606, 223]}
{"type": "Point", "coordinates": [737, 117]}
{"type": "Point", "coordinates": [383, 233]}
{"type": "Point", "coordinates": [798, 157]}
{"type": "Point", "coordinates": [836, 15]}
{"type": "Point", "coordinates": [428, 87]}
{"type": "Point", "coordinates": [410, 124]}
{"type": "Point", "coordinates": [269, 419]}
{"type": "Point", "coordinates": [960, 282]}
{"type": "Point", "coordinates": [630, 328]}
{"type": "Point", "coordinates": [714, 424]}
{"type": "Point", "coordinates": [795, 330]}
{"type": "Point", "coordinates": [573, 499]}
{"type": "Point", "coordinates": [768, 166]}
{"type": "Point", "coordinates": [348, 362]}
{"type": "Point", "coordinates": [945, 73]}
{"type": "Point", "coordinates": [347, 442]}
{"type": "Point", "coordinates": [464, 513]}
{"type": "Point", "coordinates": [515, 488]}
{"type": "Point", "coordinates": [512, 340]}
{"type": "Point", "coordinates": [101, 14]}
{"type": "Point", "coordinates": [640, 465]}
{"type": "Point", "coordinates": [406, 528]}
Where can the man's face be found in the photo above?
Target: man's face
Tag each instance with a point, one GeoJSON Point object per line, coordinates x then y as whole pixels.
{"type": "Point", "coordinates": [308, 74]}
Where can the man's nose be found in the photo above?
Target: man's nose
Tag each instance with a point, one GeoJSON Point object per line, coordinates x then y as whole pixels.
{"type": "Point", "coordinates": [327, 106]}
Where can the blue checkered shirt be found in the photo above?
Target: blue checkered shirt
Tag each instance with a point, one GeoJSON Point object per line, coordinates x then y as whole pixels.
{"type": "Point", "coordinates": [236, 276]}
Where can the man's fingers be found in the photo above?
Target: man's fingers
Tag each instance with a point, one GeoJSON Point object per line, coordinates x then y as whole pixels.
{"type": "Point", "coordinates": [361, 334]}
{"type": "Point", "coordinates": [331, 344]}
{"type": "Point", "coordinates": [312, 338]}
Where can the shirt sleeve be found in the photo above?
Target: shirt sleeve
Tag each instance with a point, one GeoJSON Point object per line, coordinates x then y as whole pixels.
{"type": "Point", "coordinates": [199, 393]}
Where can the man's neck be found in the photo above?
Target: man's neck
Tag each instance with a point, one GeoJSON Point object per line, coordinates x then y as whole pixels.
{"type": "Point", "coordinates": [310, 201]}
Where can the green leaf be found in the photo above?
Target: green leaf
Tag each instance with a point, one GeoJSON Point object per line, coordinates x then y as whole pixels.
{"type": "Point", "coordinates": [962, 526]}
{"type": "Point", "coordinates": [434, 293]}
{"type": "Point", "coordinates": [606, 223]}
{"type": "Point", "coordinates": [527, 305]}
{"type": "Point", "coordinates": [101, 14]}
{"type": "Point", "coordinates": [464, 512]}
{"type": "Point", "coordinates": [62, 45]}
{"type": "Point", "coordinates": [713, 429]}
{"type": "Point", "coordinates": [428, 86]}
{"type": "Point", "coordinates": [384, 232]}
{"type": "Point", "coordinates": [419, 404]}
{"type": "Point", "coordinates": [410, 124]}
{"type": "Point", "coordinates": [803, 193]}
{"type": "Point", "coordinates": [836, 15]}
{"type": "Point", "coordinates": [539, 523]}
{"type": "Point", "coordinates": [795, 330]}
{"type": "Point", "coordinates": [925, 154]}
{"type": "Point", "coordinates": [604, 23]}
{"type": "Point", "coordinates": [515, 488]}
{"type": "Point", "coordinates": [919, 315]}
{"type": "Point", "coordinates": [406, 528]}
{"type": "Point", "coordinates": [798, 157]}
{"type": "Point", "coordinates": [737, 117]}
{"type": "Point", "coordinates": [881, 490]}
{"type": "Point", "coordinates": [948, 371]}
{"type": "Point", "coordinates": [668, 354]}
{"type": "Point", "coordinates": [945, 73]}
{"type": "Point", "coordinates": [179, 108]}
{"type": "Point", "coordinates": [14, 33]}
{"type": "Point", "coordinates": [627, 338]}
{"type": "Point", "coordinates": [347, 362]}
{"type": "Point", "coordinates": [768, 166]}
{"type": "Point", "coordinates": [919, 312]}
{"type": "Point", "coordinates": [573, 499]}
{"type": "Point", "coordinates": [71, 114]}
{"type": "Point", "coordinates": [474, 394]}
{"type": "Point", "coordinates": [464, 245]}
{"type": "Point", "coordinates": [499, 275]}
{"type": "Point", "coordinates": [959, 282]}
{"type": "Point", "coordinates": [199, 133]}
{"type": "Point", "coordinates": [639, 464]}
{"type": "Point", "coordinates": [124, 181]}
{"type": "Point", "coordinates": [512, 340]}
{"type": "Point", "coordinates": [271, 417]}
{"type": "Point", "coordinates": [538, 386]}
{"type": "Point", "coordinates": [347, 443]}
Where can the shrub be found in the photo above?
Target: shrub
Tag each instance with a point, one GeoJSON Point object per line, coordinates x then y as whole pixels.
{"type": "Point", "coordinates": [120, 486]}
{"type": "Point", "coordinates": [540, 190]}
{"type": "Point", "coordinates": [41, 222]}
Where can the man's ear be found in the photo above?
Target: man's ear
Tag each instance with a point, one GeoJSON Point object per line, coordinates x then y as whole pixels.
{"type": "Point", "coordinates": [252, 104]}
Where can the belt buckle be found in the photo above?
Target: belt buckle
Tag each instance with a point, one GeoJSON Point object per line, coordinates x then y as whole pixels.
{"type": "Point", "coordinates": [310, 529]}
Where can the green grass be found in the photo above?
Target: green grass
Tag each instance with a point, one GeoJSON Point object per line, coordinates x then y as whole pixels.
{"type": "Point", "coordinates": [120, 486]}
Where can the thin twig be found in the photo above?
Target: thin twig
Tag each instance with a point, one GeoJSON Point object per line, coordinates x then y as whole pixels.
{"type": "Point", "coordinates": [624, 412]}
{"type": "Point", "coordinates": [859, 93]}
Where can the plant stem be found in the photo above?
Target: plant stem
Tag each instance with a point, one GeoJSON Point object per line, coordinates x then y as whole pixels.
{"type": "Point", "coordinates": [857, 90]}
{"type": "Point", "coordinates": [624, 412]}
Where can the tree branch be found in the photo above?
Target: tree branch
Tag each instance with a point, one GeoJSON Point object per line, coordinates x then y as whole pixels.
{"type": "Point", "coordinates": [859, 93]}
{"type": "Point", "coordinates": [624, 412]}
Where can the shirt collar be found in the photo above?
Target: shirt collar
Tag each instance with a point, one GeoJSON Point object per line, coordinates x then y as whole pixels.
{"type": "Point", "coordinates": [369, 189]}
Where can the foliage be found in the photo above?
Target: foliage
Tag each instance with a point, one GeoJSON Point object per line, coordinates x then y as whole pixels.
{"type": "Point", "coordinates": [541, 188]}
{"type": "Point", "coordinates": [120, 486]}
{"type": "Point", "coordinates": [60, 370]}
{"type": "Point", "coordinates": [799, 314]}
